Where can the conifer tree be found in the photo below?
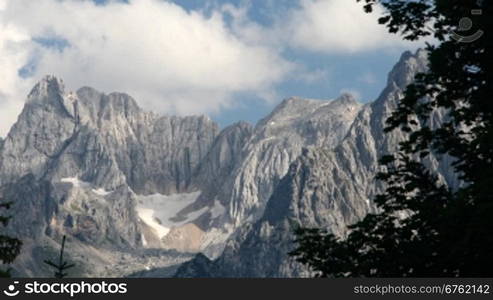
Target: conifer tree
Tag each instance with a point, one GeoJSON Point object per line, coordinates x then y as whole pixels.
{"type": "Point", "coordinates": [61, 266]}
{"type": "Point", "coordinates": [9, 246]}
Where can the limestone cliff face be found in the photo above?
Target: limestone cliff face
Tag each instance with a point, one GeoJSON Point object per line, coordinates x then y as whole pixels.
{"type": "Point", "coordinates": [244, 163]}
{"type": "Point", "coordinates": [106, 140]}
{"type": "Point", "coordinates": [83, 164]}
{"type": "Point", "coordinates": [83, 159]}
{"type": "Point", "coordinates": [74, 164]}
{"type": "Point", "coordinates": [324, 188]}
{"type": "Point", "coordinates": [277, 141]}
{"type": "Point", "coordinates": [257, 158]}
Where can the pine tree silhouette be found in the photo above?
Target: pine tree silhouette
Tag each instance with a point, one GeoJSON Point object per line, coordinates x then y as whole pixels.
{"type": "Point", "coordinates": [9, 246]}
{"type": "Point", "coordinates": [62, 266]}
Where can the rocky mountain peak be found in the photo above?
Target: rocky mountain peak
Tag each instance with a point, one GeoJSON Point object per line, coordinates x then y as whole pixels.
{"type": "Point", "coordinates": [47, 87]}
{"type": "Point", "coordinates": [295, 109]}
{"type": "Point", "coordinates": [346, 99]}
{"type": "Point", "coordinates": [99, 169]}
{"type": "Point", "coordinates": [324, 187]}
{"type": "Point", "coordinates": [295, 101]}
{"type": "Point", "coordinates": [289, 109]}
{"type": "Point", "coordinates": [408, 66]}
{"type": "Point", "coordinates": [118, 104]}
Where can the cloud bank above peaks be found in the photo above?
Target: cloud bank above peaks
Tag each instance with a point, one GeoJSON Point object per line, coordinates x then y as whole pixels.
{"type": "Point", "coordinates": [338, 26]}
{"type": "Point", "coordinates": [172, 60]}
{"type": "Point", "coordinates": [322, 26]}
{"type": "Point", "coordinates": [153, 50]}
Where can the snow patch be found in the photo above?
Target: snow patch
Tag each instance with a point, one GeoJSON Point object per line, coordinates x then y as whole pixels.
{"type": "Point", "coordinates": [77, 183]}
{"type": "Point", "coordinates": [157, 210]}
{"type": "Point", "coordinates": [101, 192]}
{"type": "Point", "coordinates": [328, 102]}
{"type": "Point", "coordinates": [147, 216]}
{"type": "Point", "coordinates": [193, 215]}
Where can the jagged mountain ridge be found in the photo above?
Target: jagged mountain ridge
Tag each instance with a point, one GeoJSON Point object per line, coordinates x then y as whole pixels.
{"type": "Point", "coordinates": [323, 189]}
{"type": "Point", "coordinates": [275, 142]}
{"type": "Point", "coordinates": [83, 161]}
{"type": "Point", "coordinates": [294, 124]}
{"type": "Point", "coordinates": [75, 163]}
{"type": "Point", "coordinates": [135, 144]}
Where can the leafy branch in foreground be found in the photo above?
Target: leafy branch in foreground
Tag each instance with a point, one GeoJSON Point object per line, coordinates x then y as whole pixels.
{"type": "Point", "coordinates": [425, 227]}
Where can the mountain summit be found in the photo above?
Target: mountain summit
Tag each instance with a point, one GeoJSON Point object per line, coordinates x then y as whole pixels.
{"type": "Point", "coordinates": [325, 187]}
{"type": "Point", "coordinates": [138, 194]}
{"type": "Point", "coordinates": [118, 180]}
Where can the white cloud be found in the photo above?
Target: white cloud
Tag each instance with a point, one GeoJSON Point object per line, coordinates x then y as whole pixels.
{"type": "Point", "coordinates": [167, 58]}
{"type": "Point", "coordinates": [14, 53]}
{"type": "Point", "coordinates": [367, 78]}
{"type": "Point", "coordinates": [174, 61]}
{"type": "Point", "coordinates": [337, 26]}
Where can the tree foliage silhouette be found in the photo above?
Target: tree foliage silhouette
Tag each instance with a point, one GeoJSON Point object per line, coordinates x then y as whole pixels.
{"type": "Point", "coordinates": [447, 232]}
{"type": "Point", "coordinates": [9, 246]}
{"type": "Point", "coordinates": [61, 266]}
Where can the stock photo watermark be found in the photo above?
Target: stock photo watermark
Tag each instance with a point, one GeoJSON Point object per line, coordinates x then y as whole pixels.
{"type": "Point", "coordinates": [466, 24]}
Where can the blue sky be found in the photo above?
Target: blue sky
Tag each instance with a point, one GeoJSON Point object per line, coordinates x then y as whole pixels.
{"type": "Point", "coordinates": [231, 59]}
{"type": "Point", "coordinates": [364, 73]}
